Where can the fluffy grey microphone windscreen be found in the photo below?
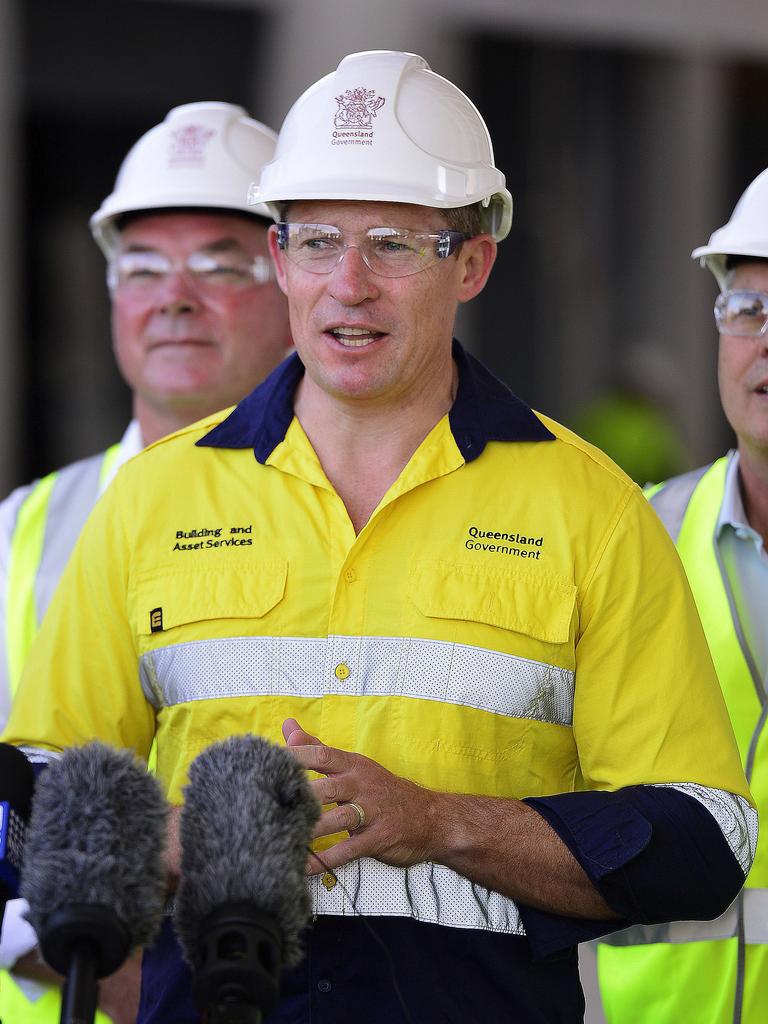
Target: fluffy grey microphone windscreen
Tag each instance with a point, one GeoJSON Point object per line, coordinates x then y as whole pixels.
{"type": "Point", "coordinates": [97, 837]}
{"type": "Point", "coordinates": [245, 830]}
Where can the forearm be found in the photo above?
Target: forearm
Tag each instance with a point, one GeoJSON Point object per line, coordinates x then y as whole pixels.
{"type": "Point", "coordinates": [501, 844]}
{"type": "Point", "coordinates": [506, 846]}
{"type": "Point", "coordinates": [173, 847]}
{"type": "Point", "coordinates": [31, 966]}
{"type": "Point", "coordinates": [578, 864]}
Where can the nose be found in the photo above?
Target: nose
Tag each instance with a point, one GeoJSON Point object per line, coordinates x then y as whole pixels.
{"type": "Point", "coordinates": [177, 294]}
{"type": "Point", "coordinates": [351, 280]}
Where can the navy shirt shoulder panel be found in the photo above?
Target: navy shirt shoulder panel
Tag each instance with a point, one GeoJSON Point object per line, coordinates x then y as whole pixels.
{"type": "Point", "coordinates": [262, 418]}
{"type": "Point", "coordinates": [484, 410]}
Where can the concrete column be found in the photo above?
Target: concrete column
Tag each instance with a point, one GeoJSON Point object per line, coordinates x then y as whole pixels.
{"type": "Point", "coordinates": [308, 39]}
{"type": "Point", "coordinates": [678, 185]}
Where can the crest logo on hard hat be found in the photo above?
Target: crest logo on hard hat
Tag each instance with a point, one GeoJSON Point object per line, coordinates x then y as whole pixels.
{"type": "Point", "coordinates": [357, 108]}
{"type": "Point", "coordinates": [188, 144]}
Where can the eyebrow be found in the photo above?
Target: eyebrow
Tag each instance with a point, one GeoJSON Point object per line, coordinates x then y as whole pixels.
{"type": "Point", "coordinates": [220, 245]}
{"type": "Point", "coordinates": [373, 227]}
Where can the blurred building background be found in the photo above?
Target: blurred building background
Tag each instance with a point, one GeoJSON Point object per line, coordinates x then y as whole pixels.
{"type": "Point", "coordinates": [626, 132]}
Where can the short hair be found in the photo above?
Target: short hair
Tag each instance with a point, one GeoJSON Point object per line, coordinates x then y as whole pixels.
{"type": "Point", "coordinates": [467, 219]}
{"type": "Point", "coordinates": [124, 219]}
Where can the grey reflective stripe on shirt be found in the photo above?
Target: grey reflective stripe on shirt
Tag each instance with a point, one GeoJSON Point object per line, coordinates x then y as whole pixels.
{"type": "Point", "coordinates": [755, 902]}
{"type": "Point", "coordinates": [37, 755]}
{"type": "Point", "coordinates": [671, 500]}
{"type": "Point", "coordinates": [74, 494]}
{"type": "Point", "coordinates": [372, 666]}
{"type": "Point", "coordinates": [425, 892]}
{"type": "Point", "coordinates": [735, 817]}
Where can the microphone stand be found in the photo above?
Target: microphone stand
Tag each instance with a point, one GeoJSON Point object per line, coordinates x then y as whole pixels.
{"type": "Point", "coordinates": [237, 966]}
{"type": "Point", "coordinates": [83, 942]}
{"type": "Point", "coordinates": [79, 995]}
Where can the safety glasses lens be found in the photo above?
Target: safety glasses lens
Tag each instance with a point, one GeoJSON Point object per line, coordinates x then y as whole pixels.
{"type": "Point", "coordinates": [387, 251]}
{"type": "Point", "coordinates": [742, 313]}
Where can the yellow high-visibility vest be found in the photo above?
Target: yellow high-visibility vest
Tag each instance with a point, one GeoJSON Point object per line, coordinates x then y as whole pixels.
{"type": "Point", "coordinates": [37, 559]}
{"type": "Point", "coordinates": [713, 972]}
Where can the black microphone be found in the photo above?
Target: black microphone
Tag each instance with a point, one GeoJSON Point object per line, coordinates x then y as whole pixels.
{"type": "Point", "coordinates": [242, 900]}
{"type": "Point", "coordinates": [93, 869]}
{"type": "Point", "coordinates": [17, 781]}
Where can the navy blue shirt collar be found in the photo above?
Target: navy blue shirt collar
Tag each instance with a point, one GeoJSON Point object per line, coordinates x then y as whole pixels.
{"type": "Point", "coordinates": [484, 410]}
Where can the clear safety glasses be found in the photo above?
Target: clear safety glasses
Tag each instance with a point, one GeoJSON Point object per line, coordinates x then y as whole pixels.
{"type": "Point", "coordinates": [743, 313]}
{"type": "Point", "coordinates": [390, 252]}
{"type": "Point", "coordinates": [145, 271]}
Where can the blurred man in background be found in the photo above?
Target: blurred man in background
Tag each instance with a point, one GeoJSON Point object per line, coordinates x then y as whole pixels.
{"type": "Point", "coordinates": [717, 971]}
{"type": "Point", "coordinates": [197, 322]}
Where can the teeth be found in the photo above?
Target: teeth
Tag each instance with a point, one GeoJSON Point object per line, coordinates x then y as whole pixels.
{"type": "Point", "coordinates": [353, 337]}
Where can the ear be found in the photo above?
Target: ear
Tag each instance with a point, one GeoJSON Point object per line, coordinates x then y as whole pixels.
{"type": "Point", "coordinates": [278, 258]}
{"type": "Point", "coordinates": [476, 257]}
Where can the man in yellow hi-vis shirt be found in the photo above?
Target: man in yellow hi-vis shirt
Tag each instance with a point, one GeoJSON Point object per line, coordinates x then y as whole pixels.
{"type": "Point", "coordinates": [468, 621]}
{"type": "Point", "coordinates": [717, 971]}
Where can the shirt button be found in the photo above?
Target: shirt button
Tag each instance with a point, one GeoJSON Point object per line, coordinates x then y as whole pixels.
{"type": "Point", "coordinates": [342, 670]}
{"type": "Point", "coordinates": [329, 880]}
{"type": "Point", "coordinates": [350, 575]}
{"type": "Point", "coordinates": [324, 985]}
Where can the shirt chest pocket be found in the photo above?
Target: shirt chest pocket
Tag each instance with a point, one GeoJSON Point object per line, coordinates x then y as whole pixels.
{"type": "Point", "coordinates": [173, 606]}
{"type": "Point", "coordinates": [533, 605]}
{"type": "Point", "coordinates": [486, 680]}
{"type": "Point", "coordinates": [507, 638]}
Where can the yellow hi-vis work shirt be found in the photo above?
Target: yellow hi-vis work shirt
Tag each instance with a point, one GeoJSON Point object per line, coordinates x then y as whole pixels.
{"type": "Point", "coordinates": [512, 621]}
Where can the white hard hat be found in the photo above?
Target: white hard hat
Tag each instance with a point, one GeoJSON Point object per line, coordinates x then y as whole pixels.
{"type": "Point", "coordinates": [384, 127]}
{"type": "Point", "coordinates": [745, 234]}
{"type": "Point", "coordinates": [202, 155]}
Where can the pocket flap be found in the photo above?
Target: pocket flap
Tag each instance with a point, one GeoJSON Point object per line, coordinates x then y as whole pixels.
{"type": "Point", "coordinates": [538, 606]}
{"type": "Point", "coordinates": [181, 596]}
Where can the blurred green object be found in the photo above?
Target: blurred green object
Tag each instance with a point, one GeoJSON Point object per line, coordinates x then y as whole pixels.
{"type": "Point", "coordinates": [636, 433]}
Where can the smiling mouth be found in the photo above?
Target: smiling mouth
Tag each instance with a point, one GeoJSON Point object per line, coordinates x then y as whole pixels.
{"type": "Point", "coordinates": [180, 342]}
{"type": "Point", "coordinates": [355, 337]}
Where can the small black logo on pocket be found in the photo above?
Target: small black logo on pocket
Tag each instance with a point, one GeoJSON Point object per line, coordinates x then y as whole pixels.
{"type": "Point", "coordinates": [156, 620]}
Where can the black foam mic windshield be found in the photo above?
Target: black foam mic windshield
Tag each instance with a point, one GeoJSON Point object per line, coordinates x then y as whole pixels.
{"type": "Point", "coordinates": [17, 782]}
{"type": "Point", "coordinates": [93, 871]}
{"type": "Point", "coordinates": [242, 900]}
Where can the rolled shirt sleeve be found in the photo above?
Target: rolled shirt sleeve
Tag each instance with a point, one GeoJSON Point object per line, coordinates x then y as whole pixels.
{"type": "Point", "coordinates": [654, 853]}
{"type": "Point", "coordinates": [663, 828]}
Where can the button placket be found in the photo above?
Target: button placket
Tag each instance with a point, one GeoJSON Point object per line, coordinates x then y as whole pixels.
{"type": "Point", "coordinates": [344, 659]}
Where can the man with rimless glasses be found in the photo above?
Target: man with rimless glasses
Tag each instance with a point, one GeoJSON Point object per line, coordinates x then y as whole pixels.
{"type": "Point", "coordinates": [468, 623]}
{"type": "Point", "coordinates": [718, 516]}
{"type": "Point", "coordinates": [197, 321]}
